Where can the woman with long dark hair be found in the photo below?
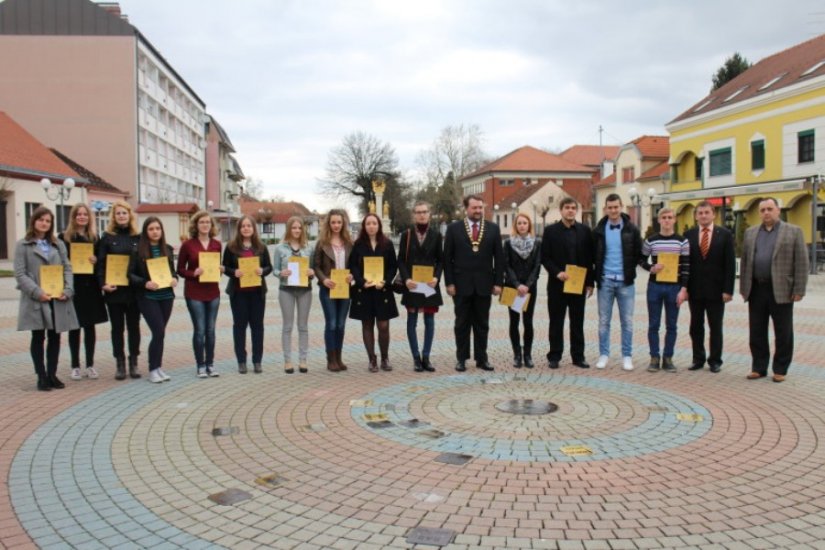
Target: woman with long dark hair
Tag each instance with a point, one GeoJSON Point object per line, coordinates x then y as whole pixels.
{"type": "Point", "coordinates": [294, 298]}
{"type": "Point", "coordinates": [421, 247]}
{"type": "Point", "coordinates": [121, 238]}
{"type": "Point", "coordinates": [154, 300]}
{"type": "Point", "coordinates": [202, 298]}
{"type": "Point", "coordinates": [248, 303]}
{"type": "Point", "coordinates": [44, 315]}
{"type": "Point", "coordinates": [374, 302]}
{"type": "Point", "coordinates": [332, 252]}
{"type": "Point", "coordinates": [92, 310]}
{"type": "Point", "coordinates": [522, 259]}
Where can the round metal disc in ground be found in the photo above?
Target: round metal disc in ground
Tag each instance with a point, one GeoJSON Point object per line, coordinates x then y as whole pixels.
{"type": "Point", "coordinates": [526, 406]}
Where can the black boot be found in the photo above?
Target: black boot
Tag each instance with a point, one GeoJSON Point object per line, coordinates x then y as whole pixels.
{"type": "Point", "coordinates": [517, 358]}
{"type": "Point", "coordinates": [120, 374]}
{"type": "Point", "coordinates": [419, 366]}
{"type": "Point", "coordinates": [133, 373]}
{"type": "Point", "coordinates": [55, 382]}
{"type": "Point", "coordinates": [43, 383]}
{"type": "Point", "coordinates": [425, 362]}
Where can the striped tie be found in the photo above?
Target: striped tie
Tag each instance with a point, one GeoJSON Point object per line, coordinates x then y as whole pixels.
{"type": "Point", "coordinates": [704, 246]}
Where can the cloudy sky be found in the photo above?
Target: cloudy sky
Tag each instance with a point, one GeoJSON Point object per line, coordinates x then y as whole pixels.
{"type": "Point", "coordinates": [288, 79]}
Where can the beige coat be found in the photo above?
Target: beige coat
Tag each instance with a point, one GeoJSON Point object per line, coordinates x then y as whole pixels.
{"type": "Point", "coordinates": [789, 266]}
{"type": "Point", "coordinates": [34, 314]}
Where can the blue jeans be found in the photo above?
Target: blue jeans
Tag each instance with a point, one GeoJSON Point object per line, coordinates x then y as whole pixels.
{"type": "Point", "coordinates": [429, 332]}
{"type": "Point", "coordinates": [248, 309]}
{"type": "Point", "coordinates": [203, 316]}
{"type": "Point", "coordinates": [658, 295]}
{"type": "Point", "coordinates": [624, 295]}
{"type": "Point", "coordinates": [335, 315]}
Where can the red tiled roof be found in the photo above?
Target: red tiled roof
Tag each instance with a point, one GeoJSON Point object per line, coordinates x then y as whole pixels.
{"type": "Point", "coordinates": [172, 207]}
{"type": "Point", "coordinates": [609, 180]}
{"type": "Point", "coordinates": [590, 155]}
{"type": "Point", "coordinates": [520, 195]}
{"type": "Point", "coordinates": [279, 212]}
{"type": "Point", "coordinates": [21, 152]}
{"type": "Point", "coordinates": [655, 172]}
{"type": "Point", "coordinates": [791, 63]}
{"type": "Point", "coordinates": [653, 147]}
{"type": "Point", "coordinates": [529, 159]}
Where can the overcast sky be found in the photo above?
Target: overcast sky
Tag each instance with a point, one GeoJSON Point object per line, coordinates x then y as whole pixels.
{"type": "Point", "coordinates": [288, 79]}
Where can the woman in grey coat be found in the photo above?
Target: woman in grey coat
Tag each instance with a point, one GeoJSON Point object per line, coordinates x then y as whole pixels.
{"type": "Point", "coordinates": [40, 313]}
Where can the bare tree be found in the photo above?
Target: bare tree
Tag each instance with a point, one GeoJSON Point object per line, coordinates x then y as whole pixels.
{"type": "Point", "coordinates": [253, 188]}
{"type": "Point", "coordinates": [457, 151]}
{"type": "Point", "coordinates": [355, 164]}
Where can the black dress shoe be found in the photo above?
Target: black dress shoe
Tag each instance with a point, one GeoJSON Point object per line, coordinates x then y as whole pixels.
{"type": "Point", "coordinates": [582, 364]}
{"type": "Point", "coordinates": [460, 366]}
{"type": "Point", "coordinates": [484, 365]}
{"type": "Point", "coordinates": [426, 365]}
{"type": "Point", "coordinates": [528, 362]}
{"type": "Point", "coordinates": [715, 368]}
{"type": "Point", "coordinates": [55, 382]}
{"type": "Point", "coordinates": [553, 364]}
{"type": "Point", "coordinates": [697, 366]}
{"type": "Point", "coordinates": [419, 367]}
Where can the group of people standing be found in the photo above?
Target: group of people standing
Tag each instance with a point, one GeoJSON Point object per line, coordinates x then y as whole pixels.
{"type": "Point", "coordinates": [357, 279]}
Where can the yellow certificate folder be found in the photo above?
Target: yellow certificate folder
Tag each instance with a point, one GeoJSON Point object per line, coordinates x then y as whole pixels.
{"type": "Point", "coordinates": [575, 283]}
{"type": "Point", "coordinates": [80, 253]}
{"type": "Point", "coordinates": [374, 268]}
{"type": "Point", "coordinates": [423, 273]}
{"type": "Point", "coordinates": [210, 262]}
{"type": "Point", "coordinates": [670, 273]}
{"type": "Point", "coordinates": [249, 267]}
{"type": "Point", "coordinates": [116, 267]}
{"type": "Point", "coordinates": [51, 280]}
{"type": "Point", "coordinates": [159, 271]}
{"type": "Point", "coordinates": [303, 270]}
{"type": "Point", "coordinates": [509, 295]}
{"type": "Point", "coordinates": [341, 290]}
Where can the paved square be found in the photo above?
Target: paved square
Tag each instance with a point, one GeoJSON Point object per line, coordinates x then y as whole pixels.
{"type": "Point", "coordinates": [356, 460]}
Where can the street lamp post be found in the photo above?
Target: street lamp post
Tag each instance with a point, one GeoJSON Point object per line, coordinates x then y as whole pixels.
{"type": "Point", "coordinates": [535, 227]}
{"type": "Point", "coordinates": [514, 206]}
{"type": "Point", "coordinates": [638, 203]}
{"type": "Point", "coordinates": [55, 192]}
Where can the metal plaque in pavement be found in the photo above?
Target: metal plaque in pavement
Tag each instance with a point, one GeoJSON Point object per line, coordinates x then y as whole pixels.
{"type": "Point", "coordinates": [413, 423]}
{"type": "Point", "coordinates": [431, 536]}
{"type": "Point", "coordinates": [379, 424]}
{"type": "Point", "coordinates": [230, 497]}
{"type": "Point", "coordinates": [454, 458]}
{"type": "Point", "coordinates": [228, 430]}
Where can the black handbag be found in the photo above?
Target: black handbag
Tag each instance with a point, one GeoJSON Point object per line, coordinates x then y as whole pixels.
{"type": "Point", "coordinates": [397, 284]}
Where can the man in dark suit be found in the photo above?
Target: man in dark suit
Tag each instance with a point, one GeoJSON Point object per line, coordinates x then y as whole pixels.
{"type": "Point", "coordinates": [710, 285]}
{"type": "Point", "coordinates": [567, 242]}
{"type": "Point", "coordinates": [773, 274]}
{"type": "Point", "coordinates": [473, 272]}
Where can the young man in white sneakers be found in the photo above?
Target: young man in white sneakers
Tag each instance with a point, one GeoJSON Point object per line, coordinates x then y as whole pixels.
{"type": "Point", "coordinates": [618, 246]}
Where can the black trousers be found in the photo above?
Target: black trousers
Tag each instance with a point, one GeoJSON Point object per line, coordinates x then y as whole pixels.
{"type": "Point", "coordinates": [527, 318]}
{"type": "Point", "coordinates": [762, 306]}
{"type": "Point", "coordinates": [472, 313]}
{"type": "Point", "coordinates": [89, 340]}
{"type": "Point", "coordinates": [47, 365]}
{"type": "Point", "coordinates": [560, 304]}
{"type": "Point", "coordinates": [156, 313]}
{"type": "Point", "coordinates": [715, 312]}
{"type": "Point", "coordinates": [125, 316]}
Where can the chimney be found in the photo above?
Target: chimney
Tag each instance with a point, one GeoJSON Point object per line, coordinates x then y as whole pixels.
{"type": "Point", "coordinates": [113, 8]}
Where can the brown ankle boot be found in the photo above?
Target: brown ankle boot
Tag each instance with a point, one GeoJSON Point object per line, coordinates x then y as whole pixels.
{"type": "Point", "coordinates": [373, 364]}
{"type": "Point", "coordinates": [385, 364]}
{"type": "Point", "coordinates": [340, 361]}
{"type": "Point", "coordinates": [332, 364]}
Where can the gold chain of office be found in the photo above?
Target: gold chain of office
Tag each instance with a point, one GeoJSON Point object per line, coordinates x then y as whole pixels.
{"type": "Point", "coordinates": [476, 243]}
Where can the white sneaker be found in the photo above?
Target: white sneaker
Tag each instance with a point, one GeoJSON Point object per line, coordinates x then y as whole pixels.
{"type": "Point", "coordinates": [628, 363]}
{"type": "Point", "coordinates": [92, 373]}
{"type": "Point", "coordinates": [602, 362]}
{"type": "Point", "coordinates": [75, 374]}
{"type": "Point", "coordinates": [155, 376]}
{"type": "Point", "coordinates": [163, 375]}
{"type": "Point", "coordinates": [211, 372]}
{"type": "Point", "coordinates": [202, 372]}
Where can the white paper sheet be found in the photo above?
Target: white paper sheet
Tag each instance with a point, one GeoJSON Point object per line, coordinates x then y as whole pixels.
{"type": "Point", "coordinates": [518, 303]}
{"type": "Point", "coordinates": [424, 288]}
{"type": "Point", "coordinates": [294, 278]}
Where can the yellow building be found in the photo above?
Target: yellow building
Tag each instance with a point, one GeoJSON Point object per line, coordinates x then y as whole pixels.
{"type": "Point", "coordinates": [761, 134]}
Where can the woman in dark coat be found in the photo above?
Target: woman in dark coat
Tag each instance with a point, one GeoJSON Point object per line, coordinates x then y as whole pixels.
{"type": "Point", "coordinates": [421, 246]}
{"type": "Point", "coordinates": [121, 238]}
{"type": "Point", "coordinates": [373, 300]}
{"type": "Point", "coordinates": [522, 259]}
{"type": "Point", "coordinates": [87, 293]}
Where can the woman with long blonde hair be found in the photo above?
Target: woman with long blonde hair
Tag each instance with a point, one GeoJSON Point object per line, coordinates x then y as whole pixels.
{"type": "Point", "coordinates": [332, 252]}
{"type": "Point", "coordinates": [522, 266]}
{"type": "Point", "coordinates": [121, 237]}
{"type": "Point", "coordinates": [92, 310]}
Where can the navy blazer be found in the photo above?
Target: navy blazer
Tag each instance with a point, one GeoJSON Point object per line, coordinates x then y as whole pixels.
{"type": "Point", "coordinates": [712, 276]}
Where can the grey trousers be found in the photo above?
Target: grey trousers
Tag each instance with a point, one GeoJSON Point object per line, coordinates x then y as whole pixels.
{"type": "Point", "coordinates": [290, 300]}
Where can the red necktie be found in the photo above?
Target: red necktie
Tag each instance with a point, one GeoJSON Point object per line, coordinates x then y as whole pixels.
{"type": "Point", "coordinates": [475, 231]}
{"type": "Point", "coordinates": [704, 245]}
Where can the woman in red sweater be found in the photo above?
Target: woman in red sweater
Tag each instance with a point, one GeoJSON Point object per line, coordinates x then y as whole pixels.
{"type": "Point", "coordinates": [201, 291]}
